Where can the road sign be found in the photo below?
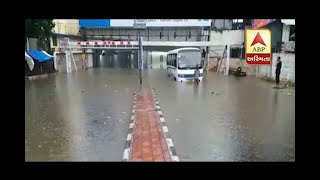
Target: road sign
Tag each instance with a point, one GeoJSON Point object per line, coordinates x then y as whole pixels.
{"type": "Point", "coordinates": [139, 24]}
{"type": "Point", "coordinates": [64, 44]}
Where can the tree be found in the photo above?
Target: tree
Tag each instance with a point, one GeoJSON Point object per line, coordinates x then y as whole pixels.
{"type": "Point", "coordinates": [41, 29]}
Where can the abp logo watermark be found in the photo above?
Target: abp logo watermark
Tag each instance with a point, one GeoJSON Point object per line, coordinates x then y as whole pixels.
{"type": "Point", "coordinates": [258, 46]}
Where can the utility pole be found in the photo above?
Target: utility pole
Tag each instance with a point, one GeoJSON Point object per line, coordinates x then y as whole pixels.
{"type": "Point", "coordinates": [208, 47]}
{"type": "Point", "coordinates": [140, 58]}
{"type": "Point", "coordinates": [140, 25]}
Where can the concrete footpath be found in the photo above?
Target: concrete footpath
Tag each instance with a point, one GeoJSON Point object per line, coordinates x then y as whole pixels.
{"type": "Point", "coordinates": [148, 137]}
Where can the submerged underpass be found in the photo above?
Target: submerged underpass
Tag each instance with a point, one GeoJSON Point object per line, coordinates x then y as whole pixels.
{"type": "Point", "coordinates": [116, 59]}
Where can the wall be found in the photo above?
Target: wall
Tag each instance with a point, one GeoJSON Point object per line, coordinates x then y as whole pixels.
{"type": "Point", "coordinates": [227, 37]}
{"type": "Point", "coordinates": [222, 23]}
{"type": "Point", "coordinates": [285, 33]}
{"type": "Point", "coordinates": [66, 26]}
{"type": "Point", "coordinates": [276, 31]}
{"type": "Point", "coordinates": [287, 70]}
{"type": "Point", "coordinates": [233, 63]}
{"type": "Point", "coordinates": [61, 61]}
{"type": "Point", "coordinates": [90, 60]}
{"type": "Point", "coordinates": [33, 43]}
{"type": "Point", "coordinates": [58, 38]}
{"type": "Point", "coordinates": [232, 37]}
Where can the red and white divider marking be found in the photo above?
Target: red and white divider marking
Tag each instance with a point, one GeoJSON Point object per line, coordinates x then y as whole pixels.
{"type": "Point", "coordinates": [104, 43]}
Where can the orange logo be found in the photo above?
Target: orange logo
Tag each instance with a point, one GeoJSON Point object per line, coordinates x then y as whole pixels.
{"type": "Point", "coordinates": [258, 46]}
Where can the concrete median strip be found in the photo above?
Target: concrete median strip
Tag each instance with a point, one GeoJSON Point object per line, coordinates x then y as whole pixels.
{"type": "Point", "coordinates": [148, 136]}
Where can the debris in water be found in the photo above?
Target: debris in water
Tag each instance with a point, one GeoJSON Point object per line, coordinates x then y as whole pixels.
{"type": "Point", "coordinates": [124, 112]}
{"type": "Point", "coordinates": [104, 122]}
{"type": "Point", "coordinates": [214, 93]}
{"type": "Point", "coordinates": [44, 128]}
{"type": "Point", "coordinates": [82, 91]}
{"type": "Point", "coordinates": [39, 146]}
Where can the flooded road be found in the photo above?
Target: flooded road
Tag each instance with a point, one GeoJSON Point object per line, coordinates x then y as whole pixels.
{"type": "Point", "coordinates": [84, 116]}
{"type": "Point", "coordinates": [228, 118]}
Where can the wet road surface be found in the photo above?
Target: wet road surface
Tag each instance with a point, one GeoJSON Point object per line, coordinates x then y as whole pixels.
{"type": "Point", "coordinates": [84, 116]}
{"type": "Point", "coordinates": [243, 120]}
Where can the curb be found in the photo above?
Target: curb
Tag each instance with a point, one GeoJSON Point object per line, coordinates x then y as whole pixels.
{"type": "Point", "coordinates": [127, 150]}
{"type": "Point", "coordinates": [37, 77]}
{"type": "Point", "coordinates": [172, 150]}
{"type": "Point", "coordinates": [41, 76]}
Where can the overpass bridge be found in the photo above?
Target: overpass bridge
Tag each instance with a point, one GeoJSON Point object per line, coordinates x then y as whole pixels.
{"type": "Point", "coordinates": [135, 44]}
{"type": "Point", "coordinates": [98, 45]}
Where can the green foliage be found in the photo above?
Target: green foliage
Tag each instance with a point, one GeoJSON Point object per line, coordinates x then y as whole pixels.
{"type": "Point", "coordinates": [218, 30]}
{"type": "Point", "coordinates": [39, 28]}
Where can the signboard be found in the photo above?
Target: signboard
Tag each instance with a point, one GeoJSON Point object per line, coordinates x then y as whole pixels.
{"type": "Point", "coordinates": [288, 21]}
{"type": "Point", "coordinates": [258, 46]}
{"type": "Point", "coordinates": [94, 23]}
{"type": "Point", "coordinates": [161, 22]}
{"type": "Point", "coordinates": [64, 43]}
{"type": "Point", "coordinates": [259, 23]}
{"type": "Point", "coordinates": [138, 24]}
{"type": "Point", "coordinates": [107, 23]}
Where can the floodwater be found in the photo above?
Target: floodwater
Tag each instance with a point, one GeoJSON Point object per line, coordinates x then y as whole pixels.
{"type": "Point", "coordinates": [84, 116]}
{"type": "Point", "coordinates": [228, 118]}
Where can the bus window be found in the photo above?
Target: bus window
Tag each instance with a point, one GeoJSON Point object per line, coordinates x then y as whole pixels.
{"type": "Point", "coordinates": [189, 59]}
{"type": "Point", "coordinates": [175, 60]}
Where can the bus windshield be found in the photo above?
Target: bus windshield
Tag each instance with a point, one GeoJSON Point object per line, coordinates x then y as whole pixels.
{"type": "Point", "coordinates": [189, 59]}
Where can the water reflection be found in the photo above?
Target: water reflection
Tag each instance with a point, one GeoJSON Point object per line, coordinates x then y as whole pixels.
{"type": "Point", "coordinates": [118, 59]}
{"type": "Point", "coordinates": [85, 116]}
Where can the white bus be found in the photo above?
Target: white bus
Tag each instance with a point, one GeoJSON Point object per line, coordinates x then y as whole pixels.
{"type": "Point", "coordinates": [182, 63]}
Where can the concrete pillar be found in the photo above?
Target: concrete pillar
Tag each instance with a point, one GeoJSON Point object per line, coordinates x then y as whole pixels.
{"type": "Point", "coordinates": [208, 51]}
{"type": "Point", "coordinates": [55, 60]}
{"type": "Point", "coordinates": [285, 33]}
{"type": "Point", "coordinates": [228, 60]}
{"type": "Point", "coordinates": [68, 62]}
{"type": "Point", "coordinates": [28, 46]}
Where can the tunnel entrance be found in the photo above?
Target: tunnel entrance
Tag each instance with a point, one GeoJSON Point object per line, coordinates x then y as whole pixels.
{"type": "Point", "coordinates": [127, 59]}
